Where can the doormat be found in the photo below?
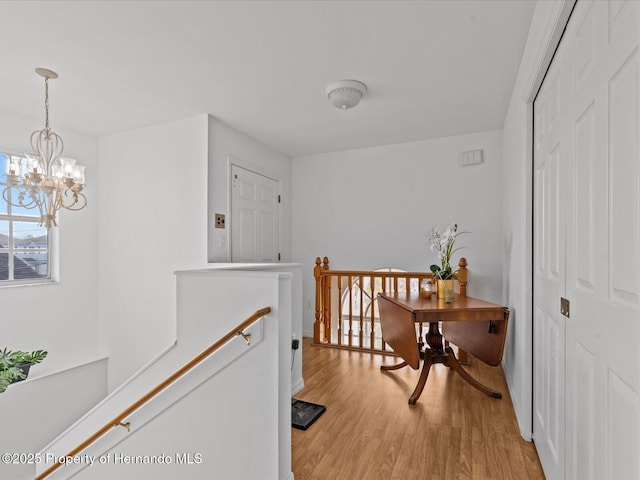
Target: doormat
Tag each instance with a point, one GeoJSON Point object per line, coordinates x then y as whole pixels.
{"type": "Point", "coordinates": [303, 414]}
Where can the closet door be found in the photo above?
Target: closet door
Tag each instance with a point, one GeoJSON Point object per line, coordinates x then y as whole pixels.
{"type": "Point", "coordinates": [552, 151]}
{"type": "Point", "coordinates": [603, 244]}
{"type": "Point", "coordinates": [587, 416]}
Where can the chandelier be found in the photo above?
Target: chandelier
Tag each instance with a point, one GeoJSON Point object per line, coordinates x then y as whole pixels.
{"type": "Point", "coordinates": [42, 179]}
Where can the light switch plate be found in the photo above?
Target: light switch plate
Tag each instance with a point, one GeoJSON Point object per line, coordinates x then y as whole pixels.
{"type": "Point", "coordinates": [472, 157]}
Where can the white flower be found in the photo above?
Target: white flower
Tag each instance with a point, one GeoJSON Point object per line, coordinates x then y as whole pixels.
{"type": "Point", "coordinates": [443, 243]}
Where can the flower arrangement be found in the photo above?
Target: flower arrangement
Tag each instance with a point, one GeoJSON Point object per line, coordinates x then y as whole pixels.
{"type": "Point", "coordinates": [443, 244]}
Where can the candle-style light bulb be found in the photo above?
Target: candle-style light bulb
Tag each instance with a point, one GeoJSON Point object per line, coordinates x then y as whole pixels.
{"type": "Point", "coordinates": [68, 167]}
{"type": "Point", "coordinates": [13, 166]}
{"type": "Point", "coordinates": [78, 174]}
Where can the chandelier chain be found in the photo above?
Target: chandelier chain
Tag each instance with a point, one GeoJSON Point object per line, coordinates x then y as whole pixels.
{"type": "Point", "coordinates": [46, 106]}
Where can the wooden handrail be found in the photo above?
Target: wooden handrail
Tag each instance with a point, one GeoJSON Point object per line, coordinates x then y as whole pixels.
{"type": "Point", "coordinates": [460, 275]}
{"type": "Point", "coordinates": [160, 387]}
{"type": "Point", "coordinates": [377, 273]}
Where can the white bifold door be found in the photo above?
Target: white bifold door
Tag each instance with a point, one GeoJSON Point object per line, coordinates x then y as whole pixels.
{"type": "Point", "coordinates": [587, 248]}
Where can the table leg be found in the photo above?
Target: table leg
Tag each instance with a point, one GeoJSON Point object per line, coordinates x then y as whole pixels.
{"type": "Point", "coordinates": [434, 354]}
{"type": "Point", "coordinates": [452, 362]}
{"type": "Point", "coordinates": [386, 368]}
{"type": "Point", "coordinates": [426, 366]}
{"type": "Point", "coordinates": [463, 357]}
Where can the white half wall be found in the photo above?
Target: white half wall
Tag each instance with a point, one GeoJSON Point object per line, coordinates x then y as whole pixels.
{"type": "Point", "coordinates": [37, 409]}
{"type": "Point", "coordinates": [287, 355]}
{"type": "Point", "coordinates": [371, 208]}
{"type": "Point", "coordinates": [153, 221]}
{"type": "Point", "coordinates": [233, 409]}
{"type": "Point", "coordinates": [224, 143]}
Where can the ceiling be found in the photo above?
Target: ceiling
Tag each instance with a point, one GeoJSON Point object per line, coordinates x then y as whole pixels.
{"type": "Point", "coordinates": [433, 68]}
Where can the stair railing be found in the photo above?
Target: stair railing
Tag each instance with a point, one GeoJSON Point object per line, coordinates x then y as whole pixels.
{"type": "Point", "coordinates": [346, 310]}
{"type": "Point", "coordinates": [118, 420]}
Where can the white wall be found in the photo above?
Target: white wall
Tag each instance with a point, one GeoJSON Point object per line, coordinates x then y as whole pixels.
{"type": "Point", "coordinates": [60, 317]}
{"type": "Point", "coordinates": [294, 359]}
{"type": "Point", "coordinates": [36, 410]}
{"type": "Point", "coordinates": [517, 209]}
{"type": "Point", "coordinates": [239, 419]}
{"type": "Point", "coordinates": [173, 171]}
{"type": "Point", "coordinates": [371, 208]}
{"type": "Point", "coordinates": [225, 142]}
{"type": "Point", "coordinates": [153, 221]}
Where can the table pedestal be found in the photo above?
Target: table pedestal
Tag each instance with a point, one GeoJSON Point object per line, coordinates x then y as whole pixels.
{"type": "Point", "coordinates": [437, 353]}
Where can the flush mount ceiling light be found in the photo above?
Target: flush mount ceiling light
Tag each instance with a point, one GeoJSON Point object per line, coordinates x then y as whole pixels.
{"type": "Point", "coordinates": [345, 94]}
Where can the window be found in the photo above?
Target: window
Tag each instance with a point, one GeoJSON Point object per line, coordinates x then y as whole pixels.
{"type": "Point", "coordinates": [24, 243]}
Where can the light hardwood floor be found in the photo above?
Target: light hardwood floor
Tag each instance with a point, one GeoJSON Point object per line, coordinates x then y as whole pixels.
{"type": "Point", "coordinates": [370, 432]}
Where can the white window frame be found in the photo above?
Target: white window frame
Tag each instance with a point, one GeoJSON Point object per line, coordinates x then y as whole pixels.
{"type": "Point", "coordinates": [11, 249]}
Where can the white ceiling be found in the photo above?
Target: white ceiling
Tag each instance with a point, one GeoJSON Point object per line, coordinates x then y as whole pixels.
{"type": "Point", "coordinates": [433, 68]}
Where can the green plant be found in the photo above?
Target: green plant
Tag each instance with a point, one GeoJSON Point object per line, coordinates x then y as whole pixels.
{"type": "Point", "coordinates": [12, 364]}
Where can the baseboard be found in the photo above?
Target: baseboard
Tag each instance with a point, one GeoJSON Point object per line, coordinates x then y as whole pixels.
{"type": "Point", "coordinates": [297, 386]}
{"type": "Point", "coordinates": [523, 425]}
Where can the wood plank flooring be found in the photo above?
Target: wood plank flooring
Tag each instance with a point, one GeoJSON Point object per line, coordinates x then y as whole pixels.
{"type": "Point", "coordinates": [369, 431]}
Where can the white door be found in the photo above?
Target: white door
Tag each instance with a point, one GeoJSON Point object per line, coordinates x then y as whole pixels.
{"type": "Point", "coordinates": [597, 96]}
{"type": "Point", "coordinates": [551, 148]}
{"type": "Point", "coordinates": [254, 217]}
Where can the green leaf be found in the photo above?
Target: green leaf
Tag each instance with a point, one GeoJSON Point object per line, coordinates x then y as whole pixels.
{"type": "Point", "coordinates": [8, 376]}
{"type": "Point", "coordinates": [14, 373]}
{"type": "Point", "coordinates": [37, 356]}
{"type": "Point", "coordinates": [4, 383]}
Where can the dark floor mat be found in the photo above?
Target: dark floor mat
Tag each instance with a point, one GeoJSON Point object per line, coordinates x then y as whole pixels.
{"type": "Point", "coordinates": [303, 414]}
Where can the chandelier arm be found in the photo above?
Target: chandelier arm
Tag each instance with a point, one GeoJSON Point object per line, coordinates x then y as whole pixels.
{"type": "Point", "coordinates": [78, 203]}
{"type": "Point", "coordinates": [21, 192]}
{"type": "Point", "coordinates": [34, 196]}
{"type": "Point", "coordinates": [48, 147]}
{"type": "Point", "coordinates": [41, 210]}
{"type": "Point", "coordinates": [5, 194]}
